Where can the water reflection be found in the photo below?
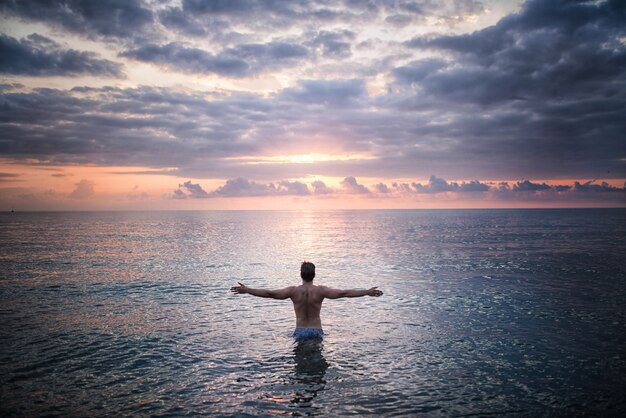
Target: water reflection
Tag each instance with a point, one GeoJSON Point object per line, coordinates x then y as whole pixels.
{"type": "Point", "coordinates": [485, 312]}
{"type": "Point", "coordinates": [309, 373]}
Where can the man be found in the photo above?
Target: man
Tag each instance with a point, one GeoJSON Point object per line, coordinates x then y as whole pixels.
{"type": "Point", "coordinates": [307, 300]}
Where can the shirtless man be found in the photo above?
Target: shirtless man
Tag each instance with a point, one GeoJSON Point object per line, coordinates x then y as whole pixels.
{"type": "Point", "coordinates": [307, 300]}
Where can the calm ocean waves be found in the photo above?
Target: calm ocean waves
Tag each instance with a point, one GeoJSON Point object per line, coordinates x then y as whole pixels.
{"type": "Point", "coordinates": [514, 312]}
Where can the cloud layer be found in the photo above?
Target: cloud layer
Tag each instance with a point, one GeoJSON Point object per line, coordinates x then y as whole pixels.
{"type": "Point", "coordinates": [393, 90]}
{"type": "Point", "coordinates": [37, 55]}
{"type": "Point", "coordinates": [519, 191]}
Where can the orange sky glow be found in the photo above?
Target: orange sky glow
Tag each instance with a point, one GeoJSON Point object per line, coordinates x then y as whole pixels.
{"type": "Point", "coordinates": [43, 187]}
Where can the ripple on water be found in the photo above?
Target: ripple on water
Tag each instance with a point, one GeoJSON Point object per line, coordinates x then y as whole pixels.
{"type": "Point", "coordinates": [485, 312]}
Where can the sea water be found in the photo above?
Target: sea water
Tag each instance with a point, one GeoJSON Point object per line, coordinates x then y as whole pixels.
{"type": "Point", "coordinates": [514, 312]}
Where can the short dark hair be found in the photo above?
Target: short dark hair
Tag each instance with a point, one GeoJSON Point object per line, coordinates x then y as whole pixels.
{"type": "Point", "coordinates": [307, 271]}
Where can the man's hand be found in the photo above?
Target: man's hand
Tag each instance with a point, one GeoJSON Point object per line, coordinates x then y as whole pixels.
{"type": "Point", "coordinates": [242, 288]}
{"type": "Point", "coordinates": [373, 292]}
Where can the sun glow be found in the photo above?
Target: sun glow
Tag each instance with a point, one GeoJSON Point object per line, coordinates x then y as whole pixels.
{"type": "Point", "coordinates": [299, 158]}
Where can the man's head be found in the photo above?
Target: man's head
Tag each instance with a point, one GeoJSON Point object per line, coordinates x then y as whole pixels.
{"type": "Point", "coordinates": [307, 271]}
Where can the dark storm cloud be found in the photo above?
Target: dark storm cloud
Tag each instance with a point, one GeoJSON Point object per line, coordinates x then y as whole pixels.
{"type": "Point", "coordinates": [543, 89]}
{"type": "Point", "coordinates": [37, 55]}
{"type": "Point", "coordinates": [240, 61]}
{"type": "Point", "coordinates": [552, 50]}
{"type": "Point", "coordinates": [107, 18]}
{"type": "Point", "coordinates": [85, 125]}
{"type": "Point", "coordinates": [416, 71]}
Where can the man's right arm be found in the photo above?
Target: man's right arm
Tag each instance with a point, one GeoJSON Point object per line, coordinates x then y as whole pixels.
{"type": "Point", "coordinates": [263, 293]}
{"type": "Point", "coordinates": [350, 293]}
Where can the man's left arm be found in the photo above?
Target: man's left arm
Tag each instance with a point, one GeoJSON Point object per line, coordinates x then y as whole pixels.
{"type": "Point", "coordinates": [330, 293]}
{"type": "Point", "coordinates": [263, 293]}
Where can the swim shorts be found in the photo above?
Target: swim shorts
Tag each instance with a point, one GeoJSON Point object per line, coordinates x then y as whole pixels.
{"type": "Point", "coordinates": [301, 334]}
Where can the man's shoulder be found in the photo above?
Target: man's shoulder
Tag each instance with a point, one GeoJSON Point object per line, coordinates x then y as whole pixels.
{"type": "Point", "coordinates": [313, 287]}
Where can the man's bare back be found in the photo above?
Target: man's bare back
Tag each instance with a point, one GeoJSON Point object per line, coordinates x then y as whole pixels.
{"type": "Point", "coordinates": [307, 298]}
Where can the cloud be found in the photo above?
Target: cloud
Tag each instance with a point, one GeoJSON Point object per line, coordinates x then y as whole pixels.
{"type": "Point", "coordinates": [539, 90]}
{"type": "Point", "coordinates": [241, 187]}
{"type": "Point", "coordinates": [267, 13]}
{"type": "Point", "coordinates": [537, 95]}
{"type": "Point", "coordinates": [193, 60]}
{"type": "Point", "coordinates": [193, 131]}
{"type": "Point", "coordinates": [402, 187]}
{"type": "Point", "coordinates": [5, 87]}
{"type": "Point", "coordinates": [179, 194]}
{"type": "Point", "coordinates": [525, 191]}
{"type": "Point", "coordinates": [319, 188]}
{"type": "Point", "coordinates": [194, 191]}
{"type": "Point", "coordinates": [528, 186]}
{"type": "Point", "coordinates": [350, 185]}
{"type": "Point", "coordinates": [439, 185]}
{"type": "Point", "coordinates": [399, 20]}
{"type": "Point", "coordinates": [136, 194]}
{"type": "Point", "coordinates": [333, 44]}
{"type": "Point", "coordinates": [124, 126]}
{"type": "Point", "coordinates": [473, 186]}
{"type": "Point", "coordinates": [417, 71]}
{"type": "Point", "coordinates": [588, 191]}
{"type": "Point", "coordinates": [8, 175]}
{"type": "Point", "coordinates": [176, 18]}
{"type": "Point", "coordinates": [547, 50]}
{"type": "Point", "coordinates": [84, 189]}
{"type": "Point", "coordinates": [382, 188]}
{"type": "Point", "coordinates": [240, 61]}
{"type": "Point", "coordinates": [295, 188]}
{"type": "Point", "coordinates": [328, 92]}
{"type": "Point", "coordinates": [103, 18]}
{"type": "Point", "coordinates": [597, 188]}
{"type": "Point", "coordinates": [37, 55]}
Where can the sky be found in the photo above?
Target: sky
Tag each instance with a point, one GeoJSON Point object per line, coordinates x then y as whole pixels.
{"type": "Point", "coordinates": [271, 104]}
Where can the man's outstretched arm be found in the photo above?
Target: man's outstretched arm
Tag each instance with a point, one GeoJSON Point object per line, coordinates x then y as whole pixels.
{"type": "Point", "coordinates": [350, 293]}
{"type": "Point", "coordinates": [263, 293]}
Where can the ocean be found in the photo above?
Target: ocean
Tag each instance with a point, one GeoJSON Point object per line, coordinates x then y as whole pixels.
{"type": "Point", "coordinates": [484, 312]}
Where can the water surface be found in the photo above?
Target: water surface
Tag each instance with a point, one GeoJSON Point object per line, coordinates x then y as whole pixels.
{"type": "Point", "coordinates": [514, 312]}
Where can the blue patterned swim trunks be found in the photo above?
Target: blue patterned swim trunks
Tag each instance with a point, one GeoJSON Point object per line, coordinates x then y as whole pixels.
{"type": "Point", "coordinates": [301, 334]}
